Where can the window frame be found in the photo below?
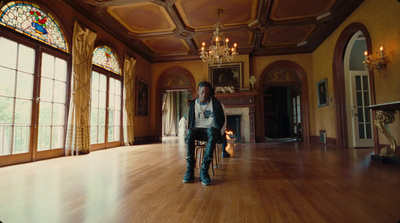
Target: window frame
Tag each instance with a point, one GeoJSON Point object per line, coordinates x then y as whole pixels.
{"type": "Point", "coordinates": [39, 48]}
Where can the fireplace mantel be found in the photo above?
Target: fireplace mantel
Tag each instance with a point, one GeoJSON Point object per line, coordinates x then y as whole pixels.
{"type": "Point", "coordinates": [241, 100]}
{"type": "Point", "coordinates": [237, 99]}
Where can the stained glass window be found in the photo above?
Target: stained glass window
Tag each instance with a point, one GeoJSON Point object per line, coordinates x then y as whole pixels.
{"type": "Point", "coordinates": [105, 58]}
{"type": "Point", "coordinates": [29, 19]}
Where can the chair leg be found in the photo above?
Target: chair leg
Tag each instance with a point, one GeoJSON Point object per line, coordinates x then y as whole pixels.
{"type": "Point", "coordinates": [216, 156]}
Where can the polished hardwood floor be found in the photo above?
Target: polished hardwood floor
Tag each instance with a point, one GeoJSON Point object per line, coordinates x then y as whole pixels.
{"type": "Point", "coordinates": [263, 182]}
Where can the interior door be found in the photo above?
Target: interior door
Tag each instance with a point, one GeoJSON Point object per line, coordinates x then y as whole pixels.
{"type": "Point", "coordinates": [360, 113]}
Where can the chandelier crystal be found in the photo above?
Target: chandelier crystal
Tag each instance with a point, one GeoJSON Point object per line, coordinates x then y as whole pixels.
{"type": "Point", "coordinates": [219, 48]}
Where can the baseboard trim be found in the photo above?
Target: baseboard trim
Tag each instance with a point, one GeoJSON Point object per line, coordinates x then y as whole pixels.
{"type": "Point", "coordinates": [145, 140]}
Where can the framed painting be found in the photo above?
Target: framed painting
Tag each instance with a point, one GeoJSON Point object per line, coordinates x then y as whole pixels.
{"type": "Point", "coordinates": [226, 75]}
{"type": "Point", "coordinates": [142, 98]}
{"type": "Point", "coordinates": [322, 92]}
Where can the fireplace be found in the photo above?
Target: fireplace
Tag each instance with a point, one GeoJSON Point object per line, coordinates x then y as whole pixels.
{"type": "Point", "coordinates": [240, 105]}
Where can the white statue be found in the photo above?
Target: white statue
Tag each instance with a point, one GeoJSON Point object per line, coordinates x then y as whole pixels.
{"type": "Point", "coordinates": [252, 81]}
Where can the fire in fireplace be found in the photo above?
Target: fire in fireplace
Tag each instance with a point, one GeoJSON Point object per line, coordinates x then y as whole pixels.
{"type": "Point", "coordinates": [233, 127]}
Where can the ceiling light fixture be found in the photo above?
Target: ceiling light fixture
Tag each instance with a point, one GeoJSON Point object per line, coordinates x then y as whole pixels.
{"type": "Point", "coordinates": [221, 50]}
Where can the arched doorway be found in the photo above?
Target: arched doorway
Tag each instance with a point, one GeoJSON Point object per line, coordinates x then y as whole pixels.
{"type": "Point", "coordinates": [358, 93]}
{"type": "Point", "coordinates": [284, 101]}
{"type": "Point", "coordinates": [174, 81]}
{"type": "Point", "coordinates": [341, 113]}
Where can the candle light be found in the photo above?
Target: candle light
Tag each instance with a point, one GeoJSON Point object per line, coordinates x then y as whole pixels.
{"type": "Point", "coordinates": [366, 55]}
{"type": "Point", "coordinates": [381, 51]}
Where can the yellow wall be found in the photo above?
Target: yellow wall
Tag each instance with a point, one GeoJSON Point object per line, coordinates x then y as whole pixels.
{"type": "Point", "coordinates": [382, 19]}
{"type": "Point", "coordinates": [141, 123]}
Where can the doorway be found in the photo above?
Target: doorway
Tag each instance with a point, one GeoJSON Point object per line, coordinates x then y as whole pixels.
{"type": "Point", "coordinates": [282, 113]}
{"type": "Point", "coordinates": [277, 110]}
{"type": "Point", "coordinates": [176, 84]}
{"type": "Point", "coordinates": [284, 103]}
{"type": "Point", "coordinates": [174, 113]}
{"type": "Point", "coordinates": [358, 93]}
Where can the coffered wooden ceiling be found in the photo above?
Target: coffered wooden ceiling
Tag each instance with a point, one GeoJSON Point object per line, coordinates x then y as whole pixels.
{"type": "Point", "coordinates": [173, 30]}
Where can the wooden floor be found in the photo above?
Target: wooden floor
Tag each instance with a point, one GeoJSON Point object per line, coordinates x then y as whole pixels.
{"type": "Point", "coordinates": [270, 182]}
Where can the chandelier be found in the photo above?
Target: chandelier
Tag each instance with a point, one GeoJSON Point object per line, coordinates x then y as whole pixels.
{"type": "Point", "coordinates": [220, 50]}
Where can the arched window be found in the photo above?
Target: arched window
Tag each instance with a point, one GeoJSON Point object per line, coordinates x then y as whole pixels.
{"type": "Point", "coordinates": [30, 20]}
{"type": "Point", "coordinates": [106, 99]}
{"type": "Point", "coordinates": [33, 84]}
{"type": "Point", "coordinates": [105, 58]}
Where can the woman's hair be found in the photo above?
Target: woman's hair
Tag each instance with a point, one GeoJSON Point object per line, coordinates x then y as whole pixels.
{"type": "Point", "coordinates": [207, 84]}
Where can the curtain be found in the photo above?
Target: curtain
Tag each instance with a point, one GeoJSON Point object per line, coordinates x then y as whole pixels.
{"type": "Point", "coordinates": [129, 95]}
{"type": "Point", "coordinates": [170, 114]}
{"type": "Point", "coordinates": [78, 132]}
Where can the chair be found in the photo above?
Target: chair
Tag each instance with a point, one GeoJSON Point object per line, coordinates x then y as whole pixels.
{"type": "Point", "coordinates": [199, 153]}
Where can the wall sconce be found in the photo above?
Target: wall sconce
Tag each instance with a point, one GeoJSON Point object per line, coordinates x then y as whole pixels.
{"type": "Point", "coordinates": [375, 63]}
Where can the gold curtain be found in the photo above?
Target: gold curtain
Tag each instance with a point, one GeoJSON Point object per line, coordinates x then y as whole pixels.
{"type": "Point", "coordinates": [78, 133]}
{"type": "Point", "coordinates": [170, 114]}
{"type": "Point", "coordinates": [129, 105]}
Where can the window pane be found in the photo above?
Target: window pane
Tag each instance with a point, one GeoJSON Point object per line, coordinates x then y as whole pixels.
{"type": "Point", "coordinates": [47, 66]}
{"type": "Point", "coordinates": [366, 98]}
{"type": "Point", "coordinates": [112, 86]}
{"type": "Point", "coordinates": [46, 89]}
{"type": "Point", "coordinates": [57, 137]}
{"type": "Point", "coordinates": [94, 117]}
{"type": "Point", "coordinates": [359, 99]}
{"type": "Point", "coordinates": [93, 134]}
{"type": "Point", "coordinates": [95, 99]}
{"type": "Point", "coordinates": [45, 113]}
{"type": "Point", "coordinates": [7, 82]}
{"type": "Point", "coordinates": [44, 138]}
{"type": "Point", "coordinates": [365, 82]}
{"type": "Point", "coordinates": [110, 117]}
{"type": "Point", "coordinates": [24, 85]}
{"type": "Point", "coordinates": [118, 88]}
{"type": "Point", "coordinates": [369, 131]}
{"type": "Point", "coordinates": [61, 70]}
{"type": "Point", "coordinates": [23, 110]}
{"type": "Point", "coordinates": [102, 117]}
{"type": "Point", "coordinates": [118, 103]}
{"type": "Point", "coordinates": [360, 115]}
{"type": "Point", "coordinates": [367, 115]}
{"type": "Point", "coordinates": [59, 91]}
{"type": "Point", "coordinates": [103, 83]}
{"type": "Point", "coordinates": [8, 59]}
{"type": "Point", "coordinates": [21, 139]}
{"type": "Point", "coordinates": [101, 134]}
{"type": "Point", "coordinates": [95, 80]}
{"type": "Point", "coordinates": [5, 140]}
{"type": "Point", "coordinates": [58, 114]}
{"type": "Point", "coordinates": [102, 100]}
{"type": "Point", "coordinates": [111, 102]}
{"type": "Point", "coordinates": [361, 131]}
{"type": "Point", "coordinates": [110, 133]}
{"type": "Point", "coordinates": [26, 59]}
{"type": "Point", "coordinates": [358, 83]}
